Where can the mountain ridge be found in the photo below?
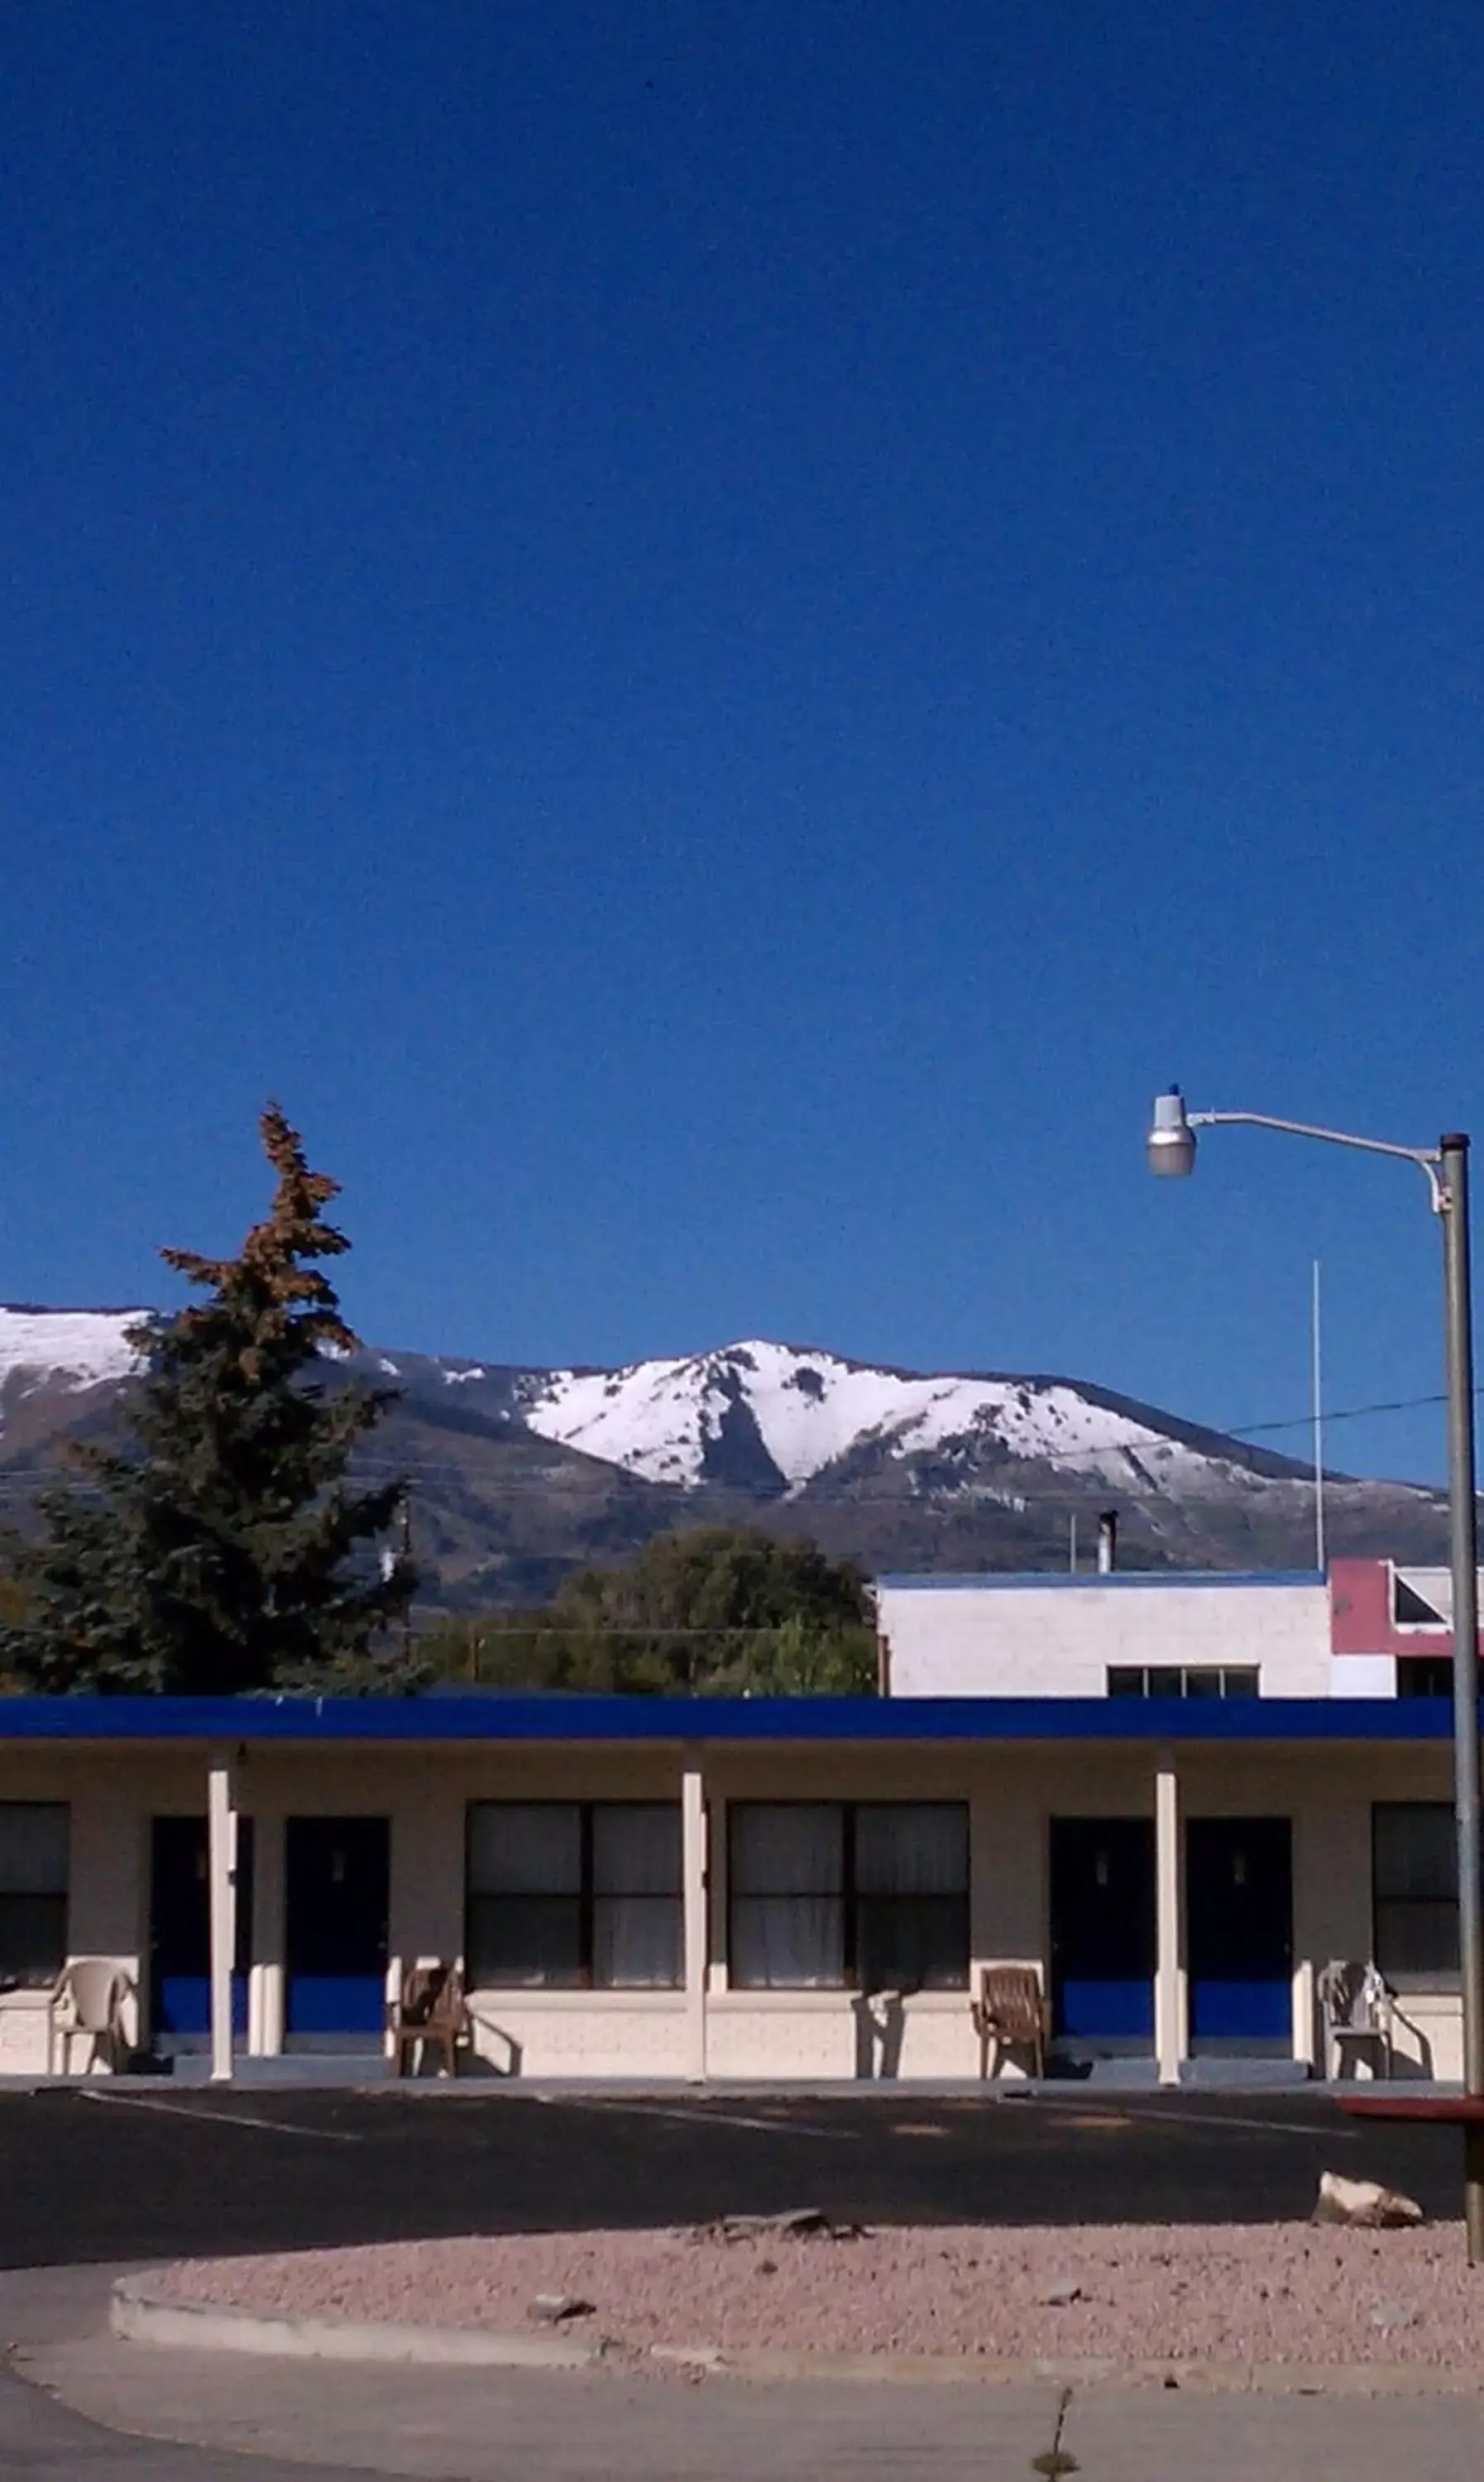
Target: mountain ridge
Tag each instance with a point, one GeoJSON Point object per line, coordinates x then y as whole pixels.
{"type": "Point", "coordinates": [520, 1474]}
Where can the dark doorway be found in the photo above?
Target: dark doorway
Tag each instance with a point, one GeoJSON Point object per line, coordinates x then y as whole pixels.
{"type": "Point", "coordinates": [180, 1930]}
{"type": "Point", "coordinates": [336, 1879]}
{"type": "Point", "coordinates": [1103, 1931]}
{"type": "Point", "coordinates": [1239, 1932]}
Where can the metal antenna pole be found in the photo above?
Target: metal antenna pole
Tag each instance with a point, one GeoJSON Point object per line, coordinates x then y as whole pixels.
{"type": "Point", "coordinates": [1319, 1430]}
{"type": "Point", "coordinates": [1463, 1534]}
{"type": "Point", "coordinates": [1318, 1402]}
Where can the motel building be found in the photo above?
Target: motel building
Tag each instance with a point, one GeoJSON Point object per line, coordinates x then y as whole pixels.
{"type": "Point", "coordinates": [1177, 1797]}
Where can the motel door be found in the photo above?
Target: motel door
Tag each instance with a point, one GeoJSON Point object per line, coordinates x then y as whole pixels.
{"type": "Point", "coordinates": [180, 1929]}
{"type": "Point", "coordinates": [1239, 1932]}
{"type": "Point", "coordinates": [336, 1880]}
{"type": "Point", "coordinates": [1103, 1931]}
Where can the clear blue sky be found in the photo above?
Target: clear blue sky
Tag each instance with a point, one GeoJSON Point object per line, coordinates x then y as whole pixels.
{"type": "Point", "coordinates": [714, 636]}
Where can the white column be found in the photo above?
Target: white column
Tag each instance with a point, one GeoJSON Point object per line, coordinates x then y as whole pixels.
{"type": "Point", "coordinates": [1169, 1969]}
{"type": "Point", "coordinates": [697, 1943]}
{"type": "Point", "coordinates": [1304, 2045]}
{"type": "Point", "coordinates": [222, 1883]}
{"type": "Point", "coordinates": [268, 1929]}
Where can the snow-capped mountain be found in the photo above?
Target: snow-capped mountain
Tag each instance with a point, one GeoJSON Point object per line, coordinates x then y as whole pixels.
{"type": "Point", "coordinates": [519, 1475]}
{"type": "Point", "coordinates": [62, 1351]}
{"type": "Point", "coordinates": [707, 1417]}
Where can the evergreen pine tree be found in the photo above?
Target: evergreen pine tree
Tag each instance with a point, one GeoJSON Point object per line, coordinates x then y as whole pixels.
{"type": "Point", "coordinates": [226, 1550]}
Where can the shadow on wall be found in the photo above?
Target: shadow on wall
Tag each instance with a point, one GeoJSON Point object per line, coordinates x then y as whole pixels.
{"type": "Point", "coordinates": [1416, 2061]}
{"type": "Point", "coordinates": [880, 2023]}
{"type": "Point", "coordinates": [507, 2062]}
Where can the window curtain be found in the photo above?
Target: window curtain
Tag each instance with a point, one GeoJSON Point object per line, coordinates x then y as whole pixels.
{"type": "Point", "coordinates": [911, 1895]}
{"type": "Point", "coordinates": [1414, 1861]}
{"type": "Point", "coordinates": [918, 1848]}
{"type": "Point", "coordinates": [787, 1895]}
{"type": "Point", "coordinates": [525, 1929]}
{"type": "Point", "coordinates": [34, 1842]}
{"type": "Point", "coordinates": [525, 1848]}
{"type": "Point", "coordinates": [636, 1896]}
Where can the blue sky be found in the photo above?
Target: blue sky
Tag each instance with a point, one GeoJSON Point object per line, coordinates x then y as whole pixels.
{"type": "Point", "coordinates": [713, 637]}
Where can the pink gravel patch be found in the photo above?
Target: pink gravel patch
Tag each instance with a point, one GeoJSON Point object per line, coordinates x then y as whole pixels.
{"type": "Point", "coordinates": [1285, 2293]}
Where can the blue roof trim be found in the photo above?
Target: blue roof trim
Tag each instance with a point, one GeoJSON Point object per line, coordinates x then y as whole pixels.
{"type": "Point", "coordinates": [1000, 1581]}
{"type": "Point", "coordinates": [410, 1721]}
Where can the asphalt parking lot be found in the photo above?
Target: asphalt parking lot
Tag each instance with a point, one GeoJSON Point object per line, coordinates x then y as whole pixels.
{"type": "Point", "coordinates": [113, 2173]}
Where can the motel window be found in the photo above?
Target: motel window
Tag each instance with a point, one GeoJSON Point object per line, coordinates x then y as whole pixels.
{"type": "Point", "coordinates": [565, 1895]}
{"type": "Point", "coordinates": [33, 1841]}
{"type": "Point", "coordinates": [858, 1895]}
{"type": "Point", "coordinates": [1414, 1883]}
{"type": "Point", "coordinates": [1183, 1681]}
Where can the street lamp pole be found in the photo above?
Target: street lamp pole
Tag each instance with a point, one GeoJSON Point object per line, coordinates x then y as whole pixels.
{"type": "Point", "coordinates": [1458, 1313]}
{"type": "Point", "coordinates": [1172, 1152]}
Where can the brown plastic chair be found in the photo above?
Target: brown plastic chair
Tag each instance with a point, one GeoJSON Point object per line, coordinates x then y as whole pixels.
{"type": "Point", "coordinates": [431, 2013]}
{"type": "Point", "coordinates": [1010, 2013]}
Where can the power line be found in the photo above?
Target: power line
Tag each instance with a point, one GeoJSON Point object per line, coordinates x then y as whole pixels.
{"type": "Point", "coordinates": [1347, 1413]}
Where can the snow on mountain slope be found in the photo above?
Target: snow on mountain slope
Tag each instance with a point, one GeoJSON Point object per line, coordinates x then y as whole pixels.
{"type": "Point", "coordinates": [664, 1419]}
{"type": "Point", "coordinates": [65, 1349]}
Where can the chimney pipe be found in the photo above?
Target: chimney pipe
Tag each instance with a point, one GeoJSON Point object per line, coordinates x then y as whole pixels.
{"type": "Point", "coordinates": [1107, 1543]}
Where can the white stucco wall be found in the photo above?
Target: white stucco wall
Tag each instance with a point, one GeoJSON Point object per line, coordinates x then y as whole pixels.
{"type": "Point", "coordinates": [1020, 1639]}
{"type": "Point", "coordinates": [1362, 1676]}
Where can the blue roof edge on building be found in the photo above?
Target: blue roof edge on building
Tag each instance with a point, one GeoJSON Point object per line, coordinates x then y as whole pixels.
{"type": "Point", "coordinates": [999, 1580]}
{"type": "Point", "coordinates": [543, 1717]}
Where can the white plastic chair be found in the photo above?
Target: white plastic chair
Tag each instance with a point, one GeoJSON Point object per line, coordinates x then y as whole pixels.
{"type": "Point", "coordinates": [1358, 2014]}
{"type": "Point", "coordinates": [87, 2004]}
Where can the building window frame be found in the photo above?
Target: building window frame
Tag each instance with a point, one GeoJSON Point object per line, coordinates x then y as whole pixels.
{"type": "Point", "coordinates": [603, 1919]}
{"type": "Point", "coordinates": [1424, 1675]}
{"type": "Point", "coordinates": [36, 1897]}
{"type": "Point", "coordinates": [1183, 1681]}
{"type": "Point", "coordinates": [1399, 1925]}
{"type": "Point", "coordinates": [927, 1916]}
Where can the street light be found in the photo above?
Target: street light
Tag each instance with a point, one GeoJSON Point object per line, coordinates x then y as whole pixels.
{"type": "Point", "coordinates": [1172, 1153]}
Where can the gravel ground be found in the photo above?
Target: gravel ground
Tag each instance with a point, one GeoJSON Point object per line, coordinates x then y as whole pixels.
{"type": "Point", "coordinates": [1218, 2293]}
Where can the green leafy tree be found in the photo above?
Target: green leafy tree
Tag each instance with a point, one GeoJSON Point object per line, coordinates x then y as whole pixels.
{"type": "Point", "coordinates": [225, 1548]}
{"type": "Point", "coordinates": [710, 1611]}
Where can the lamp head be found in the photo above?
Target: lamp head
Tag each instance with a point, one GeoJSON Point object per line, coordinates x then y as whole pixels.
{"type": "Point", "coordinates": [1171, 1143]}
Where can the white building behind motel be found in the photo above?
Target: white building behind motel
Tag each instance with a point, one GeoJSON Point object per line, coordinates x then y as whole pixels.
{"type": "Point", "coordinates": [1365, 1628]}
{"type": "Point", "coordinates": [742, 1889]}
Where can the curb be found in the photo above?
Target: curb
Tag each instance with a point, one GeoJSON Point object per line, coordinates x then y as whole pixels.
{"type": "Point", "coordinates": [145, 2314]}
{"type": "Point", "coordinates": [1189, 2378]}
{"type": "Point", "coordinates": [142, 2313]}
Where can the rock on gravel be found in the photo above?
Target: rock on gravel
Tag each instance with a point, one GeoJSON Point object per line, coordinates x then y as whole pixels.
{"type": "Point", "coordinates": [553, 2308]}
{"type": "Point", "coordinates": [1365, 2204]}
{"type": "Point", "coordinates": [1287, 2292]}
{"type": "Point", "coordinates": [800, 2224]}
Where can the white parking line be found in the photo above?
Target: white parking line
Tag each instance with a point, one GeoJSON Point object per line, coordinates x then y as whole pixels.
{"type": "Point", "coordinates": [1177, 2116]}
{"type": "Point", "coordinates": [1263, 2128]}
{"type": "Point", "coordinates": [698, 2117]}
{"type": "Point", "coordinates": [219, 2119]}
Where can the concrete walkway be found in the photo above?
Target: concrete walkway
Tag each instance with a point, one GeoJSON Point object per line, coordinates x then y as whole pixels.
{"type": "Point", "coordinates": [258, 2421]}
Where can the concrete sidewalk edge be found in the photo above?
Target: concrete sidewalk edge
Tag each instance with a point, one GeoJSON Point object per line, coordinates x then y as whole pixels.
{"type": "Point", "coordinates": [143, 2313]}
